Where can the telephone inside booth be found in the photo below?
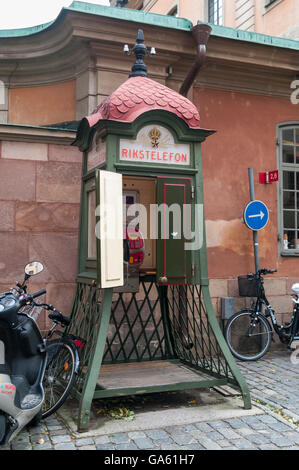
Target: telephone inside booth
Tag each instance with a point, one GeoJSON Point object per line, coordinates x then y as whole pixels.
{"type": "Point", "coordinates": [134, 245]}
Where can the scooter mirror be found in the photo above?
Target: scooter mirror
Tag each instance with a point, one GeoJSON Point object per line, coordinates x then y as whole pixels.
{"type": "Point", "coordinates": [35, 267]}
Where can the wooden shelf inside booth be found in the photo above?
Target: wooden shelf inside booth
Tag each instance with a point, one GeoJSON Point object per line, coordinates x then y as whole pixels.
{"type": "Point", "coordinates": [152, 376]}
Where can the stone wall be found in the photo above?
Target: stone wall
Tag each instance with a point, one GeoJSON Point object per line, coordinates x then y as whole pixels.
{"type": "Point", "coordinates": [278, 292]}
{"type": "Point", "coordinates": [39, 212]}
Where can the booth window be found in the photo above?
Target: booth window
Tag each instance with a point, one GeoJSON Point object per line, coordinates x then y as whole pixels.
{"type": "Point", "coordinates": [215, 12]}
{"type": "Point", "coordinates": [288, 144]}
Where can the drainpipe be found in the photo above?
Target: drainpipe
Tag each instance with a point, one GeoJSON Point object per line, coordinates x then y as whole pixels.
{"type": "Point", "coordinates": [200, 33]}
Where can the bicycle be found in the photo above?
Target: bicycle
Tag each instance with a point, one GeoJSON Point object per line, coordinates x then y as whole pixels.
{"type": "Point", "coordinates": [249, 333]}
{"type": "Point", "coordinates": [62, 359]}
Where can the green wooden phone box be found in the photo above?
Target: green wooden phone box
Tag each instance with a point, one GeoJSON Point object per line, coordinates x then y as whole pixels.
{"type": "Point", "coordinates": [142, 301]}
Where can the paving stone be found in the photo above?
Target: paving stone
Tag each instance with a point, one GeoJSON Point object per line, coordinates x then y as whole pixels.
{"type": "Point", "coordinates": [45, 446]}
{"type": "Point", "coordinates": [219, 425]}
{"type": "Point", "coordinates": [39, 437]}
{"type": "Point", "coordinates": [157, 434]}
{"type": "Point", "coordinates": [192, 447]}
{"type": "Point", "coordinates": [119, 438]}
{"type": "Point", "coordinates": [278, 426]}
{"type": "Point", "coordinates": [254, 423]}
{"type": "Point", "coordinates": [293, 436]}
{"type": "Point", "coordinates": [91, 447]}
{"type": "Point", "coordinates": [204, 427]}
{"type": "Point", "coordinates": [235, 423]}
{"type": "Point", "coordinates": [170, 447]}
{"type": "Point", "coordinates": [126, 446]}
{"type": "Point", "coordinates": [37, 429]}
{"type": "Point", "coordinates": [20, 446]}
{"type": "Point", "coordinates": [60, 438]}
{"type": "Point", "coordinates": [164, 441]}
{"type": "Point", "coordinates": [85, 441]}
{"type": "Point", "coordinates": [144, 443]}
{"type": "Point", "coordinates": [190, 428]}
{"type": "Point", "coordinates": [268, 447]}
{"type": "Point", "coordinates": [102, 440]}
{"type": "Point", "coordinates": [243, 444]}
{"type": "Point", "coordinates": [136, 434]}
{"type": "Point", "coordinates": [54, 427]}
{"type": "Point", "coordinates": [229, 433]}
{"type": "Point", "coordinates": [257, 439]}
{"type": "Point", "coordinates": [216, 436]}
{"type": "Point", "coordinates": [65, 446]}
{"type": "Point", "coordinates": [281, 441]}
{"type": "Point", "coordinates": [105, 447]}
{"type": "Point", "coordinates": [224, 443]}
{"type": "Point", "coordinates": [174, 429]}
{"type": "Point", "coordinates": [209, 444]}
{"type": "Point", "coordinates": [245, 431]}
{"type": "Point", "coordinates": [183, 439]}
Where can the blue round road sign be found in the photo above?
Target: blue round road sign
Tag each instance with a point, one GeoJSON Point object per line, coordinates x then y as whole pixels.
{"type": "Point", "coordinates": [256, 215]}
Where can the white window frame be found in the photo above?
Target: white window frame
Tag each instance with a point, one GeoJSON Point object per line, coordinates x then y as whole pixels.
{"type": "Point", "coordinates": [283, 166]}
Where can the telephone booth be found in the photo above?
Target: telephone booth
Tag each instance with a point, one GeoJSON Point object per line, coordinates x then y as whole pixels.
{"type": "Point", "coordinates": [142, 300]}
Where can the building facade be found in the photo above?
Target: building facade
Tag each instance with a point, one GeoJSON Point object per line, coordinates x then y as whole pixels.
{"type": "Point", "coordinates": [247, 91]}
{"type": "Point", "coordinates": [271, 17]}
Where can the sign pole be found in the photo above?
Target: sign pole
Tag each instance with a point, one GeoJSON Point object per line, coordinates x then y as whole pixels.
{"type": "Point", "coordinates": [255, 234]}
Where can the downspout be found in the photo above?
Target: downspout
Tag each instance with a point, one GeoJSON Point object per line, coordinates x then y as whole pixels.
{"type": "Point", "coordinates": [201, 34]}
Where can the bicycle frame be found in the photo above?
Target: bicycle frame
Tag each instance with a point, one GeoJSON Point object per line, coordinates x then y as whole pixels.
{"type": "Point", "coordinates": [281, 330]}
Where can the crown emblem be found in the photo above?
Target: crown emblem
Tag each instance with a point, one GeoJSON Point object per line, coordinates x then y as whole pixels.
{"type": "Point", "coordinates": [155, 135]}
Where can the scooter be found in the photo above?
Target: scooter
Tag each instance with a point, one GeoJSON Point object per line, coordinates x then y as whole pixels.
{"type": "Point", "coordinates": [22, 360]}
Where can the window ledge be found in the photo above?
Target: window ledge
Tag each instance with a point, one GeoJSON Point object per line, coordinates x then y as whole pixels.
{"type": "Point", "coordinates": [291, 253]}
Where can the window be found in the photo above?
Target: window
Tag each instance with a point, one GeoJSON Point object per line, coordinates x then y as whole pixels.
{"type": "Point", "coordinates": [268, 4]}
{"type": "Point", "coordinates": [173, 11]}
{"type": "Point", "coordinates": [215, 12]}
{"type": "Point", "coordinates": [288, 139]}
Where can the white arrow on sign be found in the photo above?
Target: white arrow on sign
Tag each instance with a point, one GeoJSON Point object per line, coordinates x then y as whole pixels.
{"type": "Point", "coordinates": [261, 215]}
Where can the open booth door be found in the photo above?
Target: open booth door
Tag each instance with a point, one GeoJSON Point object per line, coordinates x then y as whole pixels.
{"type": "Point", "coordinates": [109, 229]}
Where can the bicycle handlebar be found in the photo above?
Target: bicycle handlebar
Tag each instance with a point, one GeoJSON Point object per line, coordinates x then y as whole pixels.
{"type": "Point", "coordinates": [56, 316]}
{"type": "Point", "coordinates": [263, 272]}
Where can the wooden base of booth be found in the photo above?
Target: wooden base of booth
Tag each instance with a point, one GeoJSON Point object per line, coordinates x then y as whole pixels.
{"type": "Point", "coordinates": [148, 377]}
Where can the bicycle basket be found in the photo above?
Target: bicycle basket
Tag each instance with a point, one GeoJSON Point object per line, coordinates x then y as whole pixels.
{"type": "Point", "coordinates": [247, 287]}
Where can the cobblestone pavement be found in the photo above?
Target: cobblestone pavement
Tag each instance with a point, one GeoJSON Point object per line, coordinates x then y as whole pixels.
{"type": "Point", "coordinates": [273, 381]}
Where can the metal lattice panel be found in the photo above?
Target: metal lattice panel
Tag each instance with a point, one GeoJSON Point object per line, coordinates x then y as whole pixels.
{"type": "Point", "coordinates": [193, 339]}
{"type": "Point", "coordinates": [136, 330]}
{"type": "Point", "coordinates": [153, 324]}
{"type": "Point", "coordinates": [85, 320]}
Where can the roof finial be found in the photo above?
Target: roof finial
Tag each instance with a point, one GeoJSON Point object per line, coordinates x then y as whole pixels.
{"type": "Point", "coordinates": [139, 69]}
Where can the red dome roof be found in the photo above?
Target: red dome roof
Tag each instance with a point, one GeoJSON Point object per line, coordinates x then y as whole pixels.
{"type": "Point", "coordinates": [140, 94]}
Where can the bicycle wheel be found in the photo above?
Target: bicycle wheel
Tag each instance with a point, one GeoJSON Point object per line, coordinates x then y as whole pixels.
{"type": "Point", "coordinates": [60, 374]}
{"type": "Point", "coordinates": [248, 335]}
